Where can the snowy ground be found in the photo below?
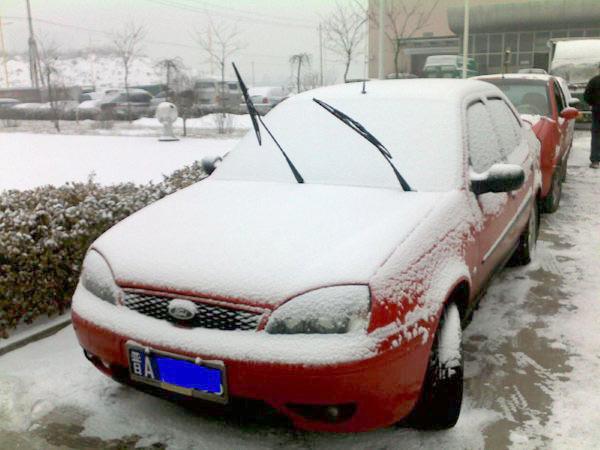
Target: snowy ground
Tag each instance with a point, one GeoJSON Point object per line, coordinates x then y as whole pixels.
{"type": "Point", "coordinates": [532, 368]}
{"type": "Point", "coordinates": [56, 159]}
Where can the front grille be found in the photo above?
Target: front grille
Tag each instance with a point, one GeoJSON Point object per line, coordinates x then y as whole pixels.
{"type": "Point", "coordinates": [208, 316]}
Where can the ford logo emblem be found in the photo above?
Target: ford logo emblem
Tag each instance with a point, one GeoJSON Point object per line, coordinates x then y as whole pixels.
{"type": "Point", "coordinates": [182, 309]}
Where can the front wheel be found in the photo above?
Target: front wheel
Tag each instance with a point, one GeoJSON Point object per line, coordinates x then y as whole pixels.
{"type": "Point", "coordinates": [442, 391]}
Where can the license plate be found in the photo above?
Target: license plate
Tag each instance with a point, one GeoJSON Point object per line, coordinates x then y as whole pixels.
{"type": "Point", "coordinates": [187, 376]}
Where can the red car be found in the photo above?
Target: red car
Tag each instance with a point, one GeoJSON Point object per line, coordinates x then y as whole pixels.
{"type": "Point", "coordinates": [326, 273]}
{"type": "Point", "coordinates": [541, 102]}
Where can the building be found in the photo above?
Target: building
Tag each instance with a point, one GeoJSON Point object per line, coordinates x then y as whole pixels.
{"type": "Point", "coordinates": [523, 27]}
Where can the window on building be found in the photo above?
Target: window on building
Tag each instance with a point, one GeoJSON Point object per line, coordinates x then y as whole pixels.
{"type": "Point", "coordinates": [481, 43]}
{"type": "Point", "coordinates": [510, 41]}
{"type": "Point", "coordinates": [576, 33]}
{"type": "Point", "coordinates": [526, 42]}
{"type": "Point", "coordinates": [496, 43]}
{"type": "Point", "coordinates": [541, 41]}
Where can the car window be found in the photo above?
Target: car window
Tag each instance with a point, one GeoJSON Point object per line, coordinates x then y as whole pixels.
{"type": "Point", "coordinates": [484, 146]}
{"type": "Point", "coordinates": [560, 100]}
{"type": "Point", "coordinates": [528, 96]}
{"type": "Point", "coordinates": [507, 126]}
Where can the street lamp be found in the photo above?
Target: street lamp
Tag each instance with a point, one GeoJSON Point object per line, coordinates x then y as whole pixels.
{"type": "Point", "coordinates": [465, 41]}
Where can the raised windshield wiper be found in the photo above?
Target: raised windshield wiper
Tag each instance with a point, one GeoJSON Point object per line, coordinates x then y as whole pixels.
{"type": "Point", "coordinates": [368, 136]}
{"type": "Point", "coordinates": [255, 117]}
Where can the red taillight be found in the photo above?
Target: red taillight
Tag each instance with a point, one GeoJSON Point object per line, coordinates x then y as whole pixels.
{"type": "Point", "coordinates": [265, 100]}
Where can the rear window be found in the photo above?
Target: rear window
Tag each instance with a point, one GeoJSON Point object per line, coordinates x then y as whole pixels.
{"type": "Point", "coordinates": [528, 96]}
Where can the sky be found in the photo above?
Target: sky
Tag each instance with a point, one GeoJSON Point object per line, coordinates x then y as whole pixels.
{"type": "Point", "coordinates": [271, 30]}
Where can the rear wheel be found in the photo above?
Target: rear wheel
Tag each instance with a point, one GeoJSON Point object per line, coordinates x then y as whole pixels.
{"type": "Point", "coordinates": [552, 200]}
{"type": "Point", "coordinates": [564, 172]}
{"type": "Point", "coordinates": [442, 391]}
{"type": "Point", "coordinates": [528, 240]}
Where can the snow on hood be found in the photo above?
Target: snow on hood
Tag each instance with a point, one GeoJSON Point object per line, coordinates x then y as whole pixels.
{"type": "Point", "coordinates": [262, 242]}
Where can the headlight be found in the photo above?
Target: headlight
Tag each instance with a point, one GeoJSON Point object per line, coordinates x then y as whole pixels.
{"type": "Point", "coordinates": [98, 279]}
{"type": "Point", "coordinates": [337, 309]}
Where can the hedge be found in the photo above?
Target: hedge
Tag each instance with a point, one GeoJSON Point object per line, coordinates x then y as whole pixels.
{"type": "Point", "coordinates": [45, 232]}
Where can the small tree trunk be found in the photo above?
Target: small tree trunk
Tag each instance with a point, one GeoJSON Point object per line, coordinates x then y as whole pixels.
{"type": "Point", "coordinates": [127, 92]}
{"type": "Point", "coordinates": [347, 69]}
{"type": "Point", "coordinates": [298, 76]}
{"type": "Point", "coordinates": [396, 61]}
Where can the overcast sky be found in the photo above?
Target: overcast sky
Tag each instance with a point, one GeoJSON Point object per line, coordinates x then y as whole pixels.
{"type": "Point", "coordinates": [272, 30]}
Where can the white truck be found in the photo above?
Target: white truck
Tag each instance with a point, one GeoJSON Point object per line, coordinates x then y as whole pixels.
{"type": "Point", "coordinates": [576, 60]}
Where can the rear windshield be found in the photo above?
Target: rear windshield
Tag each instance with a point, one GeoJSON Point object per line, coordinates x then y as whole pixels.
{"type": "Point", "coordinates": [528, 96]}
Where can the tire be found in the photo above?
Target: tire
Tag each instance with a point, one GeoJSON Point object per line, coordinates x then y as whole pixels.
{"type": "Point", "coordinates": [564, 172]}
{"type": "Point", "coordinates": [527, 241]}
{"type": "Point", "coordinates": [552, 200]}
{"type": "Point", "coordinates": [439, 406]}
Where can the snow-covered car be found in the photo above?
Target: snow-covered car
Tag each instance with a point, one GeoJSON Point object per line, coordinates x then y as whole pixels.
{"type": "Point", "coordinates": [328, 278]}
{"type": "Point", "coordinates": [266, 98]}
{"type": "Point", "coordinates": [541, 101]}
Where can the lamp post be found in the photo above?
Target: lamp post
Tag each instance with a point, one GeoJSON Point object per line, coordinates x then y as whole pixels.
{"type": "Point", "coordinates": [465, 41]}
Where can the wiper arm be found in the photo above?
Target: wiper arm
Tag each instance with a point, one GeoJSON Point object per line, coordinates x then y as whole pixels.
{"type": "Point", "coordinates": [356, 126]}
{"type": "Point", "coordinates": [256, 118]}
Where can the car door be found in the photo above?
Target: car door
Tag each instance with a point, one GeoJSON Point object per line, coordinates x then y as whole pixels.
{"type": "Point", "coordinates": [565, 130]}
{"type": "Point", "coordinates": [489, 143]}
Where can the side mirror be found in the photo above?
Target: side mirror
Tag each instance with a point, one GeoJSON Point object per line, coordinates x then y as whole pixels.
{"type": "Point", "coordinates": [498, 178]}
{"type": "Point", "coordinates": [210, 164]}
{"type": "Point", "coordinates": [569, 113]}
{"type": "Point", "coordinates": [574, 102]}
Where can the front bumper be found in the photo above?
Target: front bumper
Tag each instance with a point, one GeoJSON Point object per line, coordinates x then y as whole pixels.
{"type": "Point", "coordinates": [382, 388]}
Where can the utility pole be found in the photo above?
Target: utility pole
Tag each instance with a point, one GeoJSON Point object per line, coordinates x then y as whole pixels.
{"type": "Point", "coordinates": [4, 62]}
{"type": "Point", "coordinates": [465, 41]}
{"type": "Point", "coordinates": [321, 53]}
{"type": "Point", "coordinates": [35, 72]}
{"type": "Point", "coordinates": [381, 75]}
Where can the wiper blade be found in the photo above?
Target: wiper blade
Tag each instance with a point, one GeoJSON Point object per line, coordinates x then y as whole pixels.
{"type": "Point", "coordinates": [256, 118]}
{"type": "Point", "coordinates": [356, 126]}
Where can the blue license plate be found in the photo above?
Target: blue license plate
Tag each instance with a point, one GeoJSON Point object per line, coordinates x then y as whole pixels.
{"type": "Point", "coordinates": [187, 376]}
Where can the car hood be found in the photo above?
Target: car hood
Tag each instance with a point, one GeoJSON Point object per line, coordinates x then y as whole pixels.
{"type": "Point", "coordinates": [261, 243]}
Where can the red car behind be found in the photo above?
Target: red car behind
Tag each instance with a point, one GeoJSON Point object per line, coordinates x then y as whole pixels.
{"type": "Point", "coordinates": [541, 101]}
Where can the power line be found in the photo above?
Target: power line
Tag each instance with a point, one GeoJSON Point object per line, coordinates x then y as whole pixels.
{"type": "Point", "coordinates": [184, 7]}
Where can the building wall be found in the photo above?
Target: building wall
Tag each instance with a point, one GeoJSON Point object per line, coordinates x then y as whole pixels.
{"type": "Point", "coordinates": [528, 46]}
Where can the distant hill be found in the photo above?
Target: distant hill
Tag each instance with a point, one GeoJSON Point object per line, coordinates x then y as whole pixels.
{"type": "Point", "coordinates": [101, 71]}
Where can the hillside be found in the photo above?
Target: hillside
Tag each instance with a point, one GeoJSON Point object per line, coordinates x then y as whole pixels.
{"type": "Point", "coordinates": [102, 71]}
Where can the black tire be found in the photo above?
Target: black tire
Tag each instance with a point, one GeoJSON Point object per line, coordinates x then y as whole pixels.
{"type": "Point", "coordinates": [527, 241]}
{"type": "Point", "coordinates": [552, 200]}
{"type": "Point", "coordinates": [439, 406]}
{"type": "Point", "coordinates": [564, 172]}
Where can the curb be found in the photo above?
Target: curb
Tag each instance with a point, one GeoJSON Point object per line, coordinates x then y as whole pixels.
{"type": "Point", "coordinates": [42, 333]}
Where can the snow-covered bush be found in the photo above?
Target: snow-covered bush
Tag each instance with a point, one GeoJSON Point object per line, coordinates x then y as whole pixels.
{"type": "Point", "coordinates": [45, 232]}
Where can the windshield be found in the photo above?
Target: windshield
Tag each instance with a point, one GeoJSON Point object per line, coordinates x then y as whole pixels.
{"type": "Point", "coordinates": [528, 96]}
{"type": "Point", "coordinates": [424, 141]}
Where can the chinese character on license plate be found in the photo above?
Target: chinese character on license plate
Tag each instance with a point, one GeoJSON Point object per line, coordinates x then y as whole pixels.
{"type": "Point", "coordinates": [196, 378]}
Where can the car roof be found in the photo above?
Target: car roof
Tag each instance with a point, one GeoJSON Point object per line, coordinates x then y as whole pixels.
{"type": "Point", "coordinates": [422, 89]}
{"type": "Point", "coordinates": [518, 76]}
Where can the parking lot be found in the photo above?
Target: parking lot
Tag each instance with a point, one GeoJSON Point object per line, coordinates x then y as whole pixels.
{"type": "Point", "coordinates": [530, 359]}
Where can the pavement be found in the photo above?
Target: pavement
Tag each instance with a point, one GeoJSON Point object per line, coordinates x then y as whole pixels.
{"type": "Point", "coordinates": [532, 368]}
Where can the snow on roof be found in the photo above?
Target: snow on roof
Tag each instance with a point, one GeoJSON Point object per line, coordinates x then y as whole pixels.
{"type": "Point", "coordinates": [577, 51]}
{"type": "Point", "coordinates": [517, 76]}
{"type": "Point", "coordinates": [446, 90]}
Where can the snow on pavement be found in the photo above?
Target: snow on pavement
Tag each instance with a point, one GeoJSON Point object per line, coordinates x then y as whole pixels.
{"type": "Point", "coordinates": [29, 160]}
{"type": "Point", "coordinates": [531, 366]}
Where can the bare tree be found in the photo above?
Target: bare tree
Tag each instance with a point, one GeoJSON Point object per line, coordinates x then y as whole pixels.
{"type": "Point", "coordinates": [344, 32]}
{"type": "Point", "coordinates": [297, 60]}
{"type": "Point", "coordinates": [220, 41]}
{"type": "Point", "coordinates": [403, 19]}
{"type": "Point", "coordinates": [49, 58]}
{"type": "Point", "coordinates": [128, 45]}
{"type": "Point", "coordinates": [173, 69]}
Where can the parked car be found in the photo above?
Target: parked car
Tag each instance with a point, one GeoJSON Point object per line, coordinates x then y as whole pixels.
{"type": "Point", "coordinates": [7, 103]}
{"type": "Point", "coordinates": [448, 66]}
{"type": "Point", "coordinates": [266, 98]}
{"type": "Point", "coordinates": [335, 295]}
{"type": "Point", "coordinates": [542, 102]}
{"type": "Point", "coordinates": [212, 94]}
{"type": "Point", "coordinates": [136, 102]}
